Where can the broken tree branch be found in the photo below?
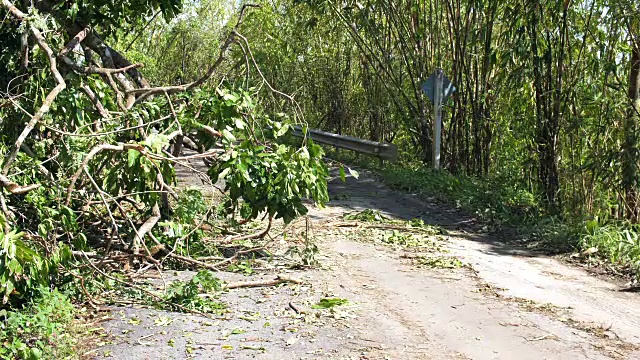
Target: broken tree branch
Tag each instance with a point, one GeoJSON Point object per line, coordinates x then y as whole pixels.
{"type": "Point", "coordinates": [258, 235]}
{"type": "Point", "coordinates": [114, 224]}
{"type": "Point", "coordinates": [46, 104]}
{"type": "Point", "coordinates": [97, 103]}
{"type": "Point", "coordinates": [96, 150]}
{"type": "Point", "coordinates": [280, 279]}
{"type": "Point", "coordinates": [147, 92]}
{"type": "Point", "coordinates": [14, 188]}
{"type": "Point", "coordinates": [97, 70]}
{"type": "Point", "coordinates": [195, 262]}
{"type": "Point", "coordinates": [155, 296]}
{"type": "Point", "coordinates": [145, 228]}
{"type": "Point", "coordinates": [77, 39]}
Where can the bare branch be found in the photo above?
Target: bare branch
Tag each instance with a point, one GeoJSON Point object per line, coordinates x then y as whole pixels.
{"type": "Point", "coordinates": [14, 188]}
{"type": "Point", "coordinates": [106, 205]}
{"type": "Point", "coordinates": [113, 59]}
{"type": "Point", "coordinates": [211, 131]}
{"type": "Point", "coordinates": [107, 132]}
{"type": "Point", "coordinates": [96, 150]}
{"type": "Point", "coordinates": [81, 35]}
{"type": "Point", "coordinates": [145, 93]}
{"type": "Point", "coordinates": [14, 10]}
{"type": "Point", "coordinates": [98, 70]}
{"type": "Point", "coordinates": [46, 104]}
{"type": "Point", "coordinates": [145, 228]}
{"type": "Point", "coordinates": [96, 102]}
{"type": "Point", "coordinates": [154, 295]}
{"type": "Point", "coordinates": [280, 279]}
{"type": "Point", "coordinates": [191, 261]}
{"type": "Point", "coordinates": [257, 235]}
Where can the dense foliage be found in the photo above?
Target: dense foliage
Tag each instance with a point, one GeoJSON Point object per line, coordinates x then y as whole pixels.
{"type": "Point", "coordinates": [91, 147]}
{"type": "Point", "coordinates": [544, 121]}
{"type": "Point", "coordinates": [43, 330]}
{"type": "Point", "coordinates": [545, 90]}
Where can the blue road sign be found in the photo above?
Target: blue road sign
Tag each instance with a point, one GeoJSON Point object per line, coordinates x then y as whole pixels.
{"type": "Point", "coordinates": [447, 87]}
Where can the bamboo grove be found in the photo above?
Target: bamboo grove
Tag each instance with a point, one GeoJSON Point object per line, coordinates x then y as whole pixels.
{"type": "Point", "coordinates": [547, 91]}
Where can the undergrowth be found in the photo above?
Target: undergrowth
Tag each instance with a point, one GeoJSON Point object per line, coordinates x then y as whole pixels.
{"type": "Point", "coordinates": [42, 329]}
{"type": "Point", "coordinates": [618, 243]}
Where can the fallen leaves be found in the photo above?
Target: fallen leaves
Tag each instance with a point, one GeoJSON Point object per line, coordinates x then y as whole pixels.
{"type": "Point", "coordinates": [327, 303]}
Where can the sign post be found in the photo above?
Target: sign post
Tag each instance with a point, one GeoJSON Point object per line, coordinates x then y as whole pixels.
{"type": "Point", "coordinates": [438, 88]}
{"type": "Point", "coordinates": [437, 117]}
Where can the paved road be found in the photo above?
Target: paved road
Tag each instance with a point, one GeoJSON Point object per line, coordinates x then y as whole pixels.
{"type": "Point", "coordinates": [507, 304]}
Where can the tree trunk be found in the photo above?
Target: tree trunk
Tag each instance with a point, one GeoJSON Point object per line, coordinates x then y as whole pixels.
{"type": "Point", "coordinates": [630, 146]}
{"type": "Point", "coordinates": [546, 122]}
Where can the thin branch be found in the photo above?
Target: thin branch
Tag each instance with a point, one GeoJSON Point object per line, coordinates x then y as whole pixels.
{"type": "Point", "coordinates": [46, 104]}
{"type": "Point", "coordinates": [142, 30]}
{"type": "Point", "coordinates": [14, 188]}
{"type": "Point", "coordinates": [107, 132]}
{"type": "Point", "coordinates": [257, 235]}
{"type": "Point", "coordinates": [106, 205]}
{"type": "Point", "coordinates": [195, 262]}
{"type": "Point", "coordinates": [145, 228]}
{"type": "Point", "coordinates": [147, 92]}
{"type": "Point", "coordinates": [97, 103]}
{"type": "Point", "coordinates": [234, 257]}
{"type": "Point", "coordinates": [98, 70]}
{"type": "Point", "coordinates": [155, 296]}
{"type": "Point", "coordinates": [280, 279]}
{"type": "Point", "coordinates": [96, 150]}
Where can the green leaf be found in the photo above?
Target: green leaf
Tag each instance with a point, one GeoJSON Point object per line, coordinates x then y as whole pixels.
{"type": "Point", "coordinates": [283, 130]}
{"type": "Point", "coordinates": [239, 123]}
{"type": "Point", "coordinates": [228, 135]}
{"type": "Point", "coordinates": [343, 175]}
{"type": "Point", "coordinates": [327, 303]}
{"type": "Point", "coordinates": [36, 353]}
{"type": "Point", "coordinates": [132, 155]}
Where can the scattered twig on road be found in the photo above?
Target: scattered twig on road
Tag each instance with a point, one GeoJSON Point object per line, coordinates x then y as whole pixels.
{"type": "Point", "coordinates": [543, 337]}
{"type": "Point", "coordinates": [155, 296]}
{"type": "Point", "coordinates": [280, 279]}
{"type": "Point", "coordinates": [145, 337]}
{"type": "Point", "coordinates": [296, 308]}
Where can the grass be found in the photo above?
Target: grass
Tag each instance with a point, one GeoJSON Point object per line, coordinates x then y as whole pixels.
{"type": "Point", "coordinates": [490, 200]}
{"type": "Point", "coordinates": [503, 206]}
{"type": "Point", "coordinates": [617, 243]}
{"type": "Point", "coordinates": [43, 329]}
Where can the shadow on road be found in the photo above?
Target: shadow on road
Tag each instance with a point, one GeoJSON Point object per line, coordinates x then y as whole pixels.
{"type": "Point", "coordinates": [369, 193]}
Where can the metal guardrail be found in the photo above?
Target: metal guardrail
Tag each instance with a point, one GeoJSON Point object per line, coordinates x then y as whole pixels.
{"type": "Point", "coordinates": [384, 151]}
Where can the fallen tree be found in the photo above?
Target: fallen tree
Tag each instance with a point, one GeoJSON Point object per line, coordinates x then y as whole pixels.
{"type": "Point", "coordinates": [91, 147]}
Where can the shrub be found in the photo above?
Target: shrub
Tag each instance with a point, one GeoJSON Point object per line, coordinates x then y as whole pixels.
{"type": "Point", "coordinates": [40, 330]}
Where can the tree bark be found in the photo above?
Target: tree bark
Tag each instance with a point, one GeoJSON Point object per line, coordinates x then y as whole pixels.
{"type": "Point", "coordinates": [630, 146]}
